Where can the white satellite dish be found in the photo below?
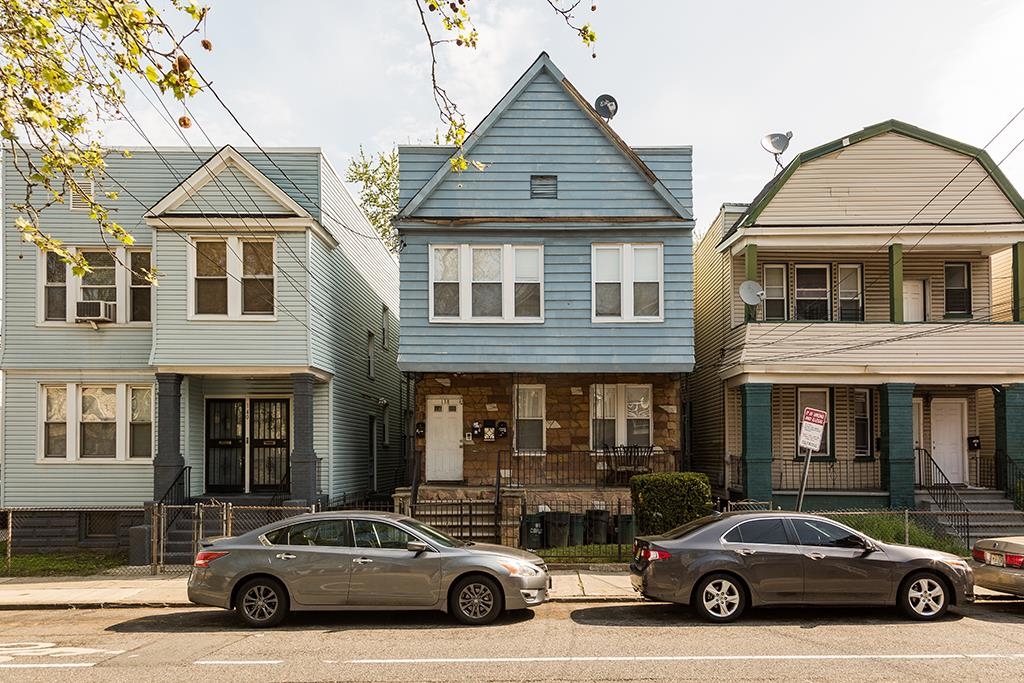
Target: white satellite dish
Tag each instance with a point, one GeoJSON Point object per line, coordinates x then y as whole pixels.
{"type": "Point", "coordinates": [776, 144]}
{"type": "Point", "coordinates": [751, 293]}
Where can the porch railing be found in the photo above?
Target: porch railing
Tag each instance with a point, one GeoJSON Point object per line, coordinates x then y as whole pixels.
{"type": "Point", "coordinates": [1009, 476]}
{"type": "Point", "coordinates": [582, 469]}
{"type": "Point", "coordinates": [180, 490]}
{"type": "Point", "coordinates": [736, 481]}
{"type": "Point", "coordinates": [942, 491]}
{"type": "Point", "coordinates": [827, 475]}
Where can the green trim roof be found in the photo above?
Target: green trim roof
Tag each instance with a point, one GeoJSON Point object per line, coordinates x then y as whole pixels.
{"type": "Point", "coordinates": [768, 192]}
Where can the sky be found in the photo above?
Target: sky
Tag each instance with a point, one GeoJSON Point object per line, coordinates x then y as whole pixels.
{"type": "Point", "coordinates": [714, 75]}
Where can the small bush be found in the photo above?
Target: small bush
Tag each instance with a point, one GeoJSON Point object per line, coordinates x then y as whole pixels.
{"type": "Point", "coordinates": [666, 500]}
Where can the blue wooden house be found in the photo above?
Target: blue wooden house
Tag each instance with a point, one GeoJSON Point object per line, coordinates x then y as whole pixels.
{"type": "Point", "coordinates": [547, 311]}
{"type": "Point", "coordinates": [263, 366]}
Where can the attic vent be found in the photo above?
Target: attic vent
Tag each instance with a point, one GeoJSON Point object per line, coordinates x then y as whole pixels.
{"type": "Point", "coordinates": [78, 201]}
{"type": "Point", "coordinates": [543, 187]}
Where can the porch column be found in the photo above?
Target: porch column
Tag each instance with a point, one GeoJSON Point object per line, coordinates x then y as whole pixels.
{"type": "Point", "coordinates": [168, 461]}
{"type": "Point", "coordinates": [897, 411]}
{"type": "Point", "coordinates": [757, 440]}
{"type": "Point", "coordinates": [1018, 282]}
{"type": "Point", "coordinates": [750, 263]}
{"type": "Point", "coordinates": [896, 283]}
{"type": "Point", "coordinates": [302, 469]}
{"type": "Point", "coordinates": [1010, 423]}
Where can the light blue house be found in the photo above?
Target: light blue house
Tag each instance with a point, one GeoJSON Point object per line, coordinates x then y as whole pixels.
{"type": "Point", "coordinates": [547, 308]}
{"type": "Point", "coordinates": [263, 365]}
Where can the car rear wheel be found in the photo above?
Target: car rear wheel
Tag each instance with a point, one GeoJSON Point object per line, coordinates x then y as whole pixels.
{"type": "Point", "coordinates": [476, 600]}
{"type": "Point", "coordinates": [262, 603]}
{"type": "Point", "coordinates": [924, 596]}
{"type": "Point", "coordinates": [720, 598]}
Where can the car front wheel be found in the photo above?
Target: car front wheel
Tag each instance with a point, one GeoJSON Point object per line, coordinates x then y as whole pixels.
{"type": "Point", "coordinates": [476, 600]}
{"type": "Point", "coordinates": [924, 596]}
{"type": "Point", "coordinates": [720, 598]}
{"type": "Point", "coordinates": [262, 603]}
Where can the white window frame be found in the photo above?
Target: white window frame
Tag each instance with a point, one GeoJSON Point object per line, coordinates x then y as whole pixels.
{"type": "Point", "coordinates": [620, 412]}
{"type": "Point", "coordinates": [234, 278]}
{"type": "Point", "coordinates": [785, 290]}
{"type": "Point", "coordinates": [508, 282]}
{"type": "Point", "coordinates": [626, 271]}
{"type": "Point", "coordinates": [859, 298]}
{"type": "Point", "coordinates": [867, 393]}
{"type": "Point", "coordinates": [73, 289]}
{"type": "Point", "coordinates": [73, 414]}
{"type": "Point", "coordinates": [826, 438]}
{"type": "Point", "coordinates": [828, 290]}
{"type": "Point", "coordinates": [543, 419]}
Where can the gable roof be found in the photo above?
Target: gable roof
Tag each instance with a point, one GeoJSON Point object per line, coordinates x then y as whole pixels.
{"type": "Point", "coordinates": [544, 63]}
{"type": "Point", "coordinates": [227, 160]}
{"type": "Point", "coordinates": [768, 192]}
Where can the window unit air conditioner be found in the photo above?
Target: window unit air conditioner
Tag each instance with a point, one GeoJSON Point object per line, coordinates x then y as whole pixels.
{"type": "Point", "coordinates": [96, 311]}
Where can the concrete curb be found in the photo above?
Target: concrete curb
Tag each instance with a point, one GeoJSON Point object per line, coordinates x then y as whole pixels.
{"type": "Point", "coordinates": [93, 605]}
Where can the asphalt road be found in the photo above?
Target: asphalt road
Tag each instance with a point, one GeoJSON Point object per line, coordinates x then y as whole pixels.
{"type": "Point", "coordinates": [562, 641]}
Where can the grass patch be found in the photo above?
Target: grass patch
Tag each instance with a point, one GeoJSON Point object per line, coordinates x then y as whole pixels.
{"type": "Point", "coordinates": [59, 564]}
{"type": "Point", "coordinates": [889, 528]}
{"type": "Point", "coordinates": [595, 553]}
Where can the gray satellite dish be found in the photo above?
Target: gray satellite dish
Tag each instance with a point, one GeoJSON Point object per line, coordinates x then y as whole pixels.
{"type": "Point", "coordinates": [606, 106]}
{"type": "Point", "coordinates": [751, 293]}
{"type": "Point", "coordinates": [776, 144]}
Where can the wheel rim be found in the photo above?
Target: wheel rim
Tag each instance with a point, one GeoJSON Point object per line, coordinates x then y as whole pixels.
{"type": "Point", "coordinates": [721, 598]}
{"type": "Point", "coordinates": [260, 603]}
{"type": "Point", "coordinates": [476, 600]}
{"type": "Point", "coordinates": [926, 596]}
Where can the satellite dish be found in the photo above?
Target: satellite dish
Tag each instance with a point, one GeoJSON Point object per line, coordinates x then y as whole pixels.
{"type": "Point", "coordinates": [751, 293]}
{"type": "Point", "coordinates": [776, 144]}
{"type": "Point", "coordinates": [606, 106]}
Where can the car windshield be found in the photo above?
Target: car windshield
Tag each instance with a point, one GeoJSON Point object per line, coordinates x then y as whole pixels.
{"type": "Point", "coordinates": [432, 534]}
{"type": "Point", "coordinates": [690, 527]}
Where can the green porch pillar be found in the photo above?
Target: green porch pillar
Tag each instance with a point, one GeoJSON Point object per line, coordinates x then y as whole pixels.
{"type": "Point", "coordinates": [1018, 282]}
{"type": "Point", "coordinates": [897, 412]}
{"type": "Point", "coordinates": [1009, 403]}
{"type": "Point", "coordinates": [750, 261]}
{"type": "Point", "coordinates": [896, 283]}
{"type": "Point", "coordinates": [757, 440]}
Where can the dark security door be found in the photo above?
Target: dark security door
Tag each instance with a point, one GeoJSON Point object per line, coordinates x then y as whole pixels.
{"type": "Point", "coordinates": [269, 444]}
{"type": "Point", "coordinates": [225, 445]}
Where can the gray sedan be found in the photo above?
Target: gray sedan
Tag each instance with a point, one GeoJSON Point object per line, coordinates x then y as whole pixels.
{"type": "Point", "coordinates": [362, 561]}
{"type": "Point", "coordinates": [722, 564]}
{"type": "Point", "coordinates": [999, 564]}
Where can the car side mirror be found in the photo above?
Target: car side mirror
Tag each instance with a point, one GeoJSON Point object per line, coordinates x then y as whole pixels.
{"type": "Point", "coordinates": [417, 547]}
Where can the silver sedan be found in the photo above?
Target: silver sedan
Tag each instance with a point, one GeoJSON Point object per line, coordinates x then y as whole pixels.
{"type": "Point", "coordinates": [358, 560]}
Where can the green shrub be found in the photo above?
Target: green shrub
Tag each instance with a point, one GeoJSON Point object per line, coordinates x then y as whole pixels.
{"type": "Point", "coordinates": [889, 528]}
{"type": "Point", "coordinates": [664, 501]}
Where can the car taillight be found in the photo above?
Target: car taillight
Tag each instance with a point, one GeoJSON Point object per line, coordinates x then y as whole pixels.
{"type": "Point", "coordinates": [979, 555]}
{"type": "Point", "coordinates": [205, 557]}
{"type": "Point", "coordinates": [1014, 561]}
{"type": "Point", "coordinates": [652, 555]}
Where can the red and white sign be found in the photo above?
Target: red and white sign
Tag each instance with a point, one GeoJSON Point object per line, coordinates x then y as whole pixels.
{"type": "Point", "coordinates": [812, 428]}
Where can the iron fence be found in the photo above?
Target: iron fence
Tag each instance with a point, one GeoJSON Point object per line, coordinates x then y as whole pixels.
{"type": "Point", "coordinates": [828, 475]}
{"type": "Point", "coordinates": [573, 531]}
{"type": "Point", "coordinates": [582, 469]}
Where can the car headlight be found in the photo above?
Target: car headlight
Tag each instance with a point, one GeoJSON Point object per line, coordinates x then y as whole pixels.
{"type": "Point", "coordinates": [520, 568]}
{"type": "Point", "coordinates": [957, 564]}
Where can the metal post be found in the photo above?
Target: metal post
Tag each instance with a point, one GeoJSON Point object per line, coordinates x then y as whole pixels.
{"type": "Point", "coordinates": [10, 540]}
{"type": "Point", "coordinates": [230, 518]}
{"type": "Point", "coordinates": [223, 520]}
{"type": "Point", "coordinates": [154, 529]}
{"type": "Point", "coordinates": [906, 527]}
{"type": "Point", "coordinates": [163, 536]}
{"type": "Point", "coordinates": [803, 482]}
{"type": "Point", "coordinates": [197, 528]}
{"type": "Point", "coordinates": [618, 527]}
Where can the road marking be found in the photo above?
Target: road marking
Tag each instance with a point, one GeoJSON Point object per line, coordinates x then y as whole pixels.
{"type": "Point", "coordinates": [68, 665]}
{"type": "Point", "coordinates": [238, 662]}
{"type": "Point", "coordinates": [680, 658]}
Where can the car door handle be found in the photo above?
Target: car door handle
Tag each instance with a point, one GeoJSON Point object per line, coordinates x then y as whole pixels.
{"type": "Point", "coordinates": [746, 551]}
{"type": "Point", "coordinates": [362, 560]}
{"type": "Point", "coordinates": [285, 556]}
{"type": "Point", "coordinates": [815, 556]}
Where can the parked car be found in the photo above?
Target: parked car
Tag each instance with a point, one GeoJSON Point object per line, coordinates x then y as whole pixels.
{"type": "Point", "coordinates": [362, 561]}
{"type": "Point", "coordinates": [722, 564]}
{"type": "Point", "coordinates": [998, 564]}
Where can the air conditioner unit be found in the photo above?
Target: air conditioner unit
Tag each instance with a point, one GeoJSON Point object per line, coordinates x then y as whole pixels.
{"type": "Point", "coordinates": [96, 311]}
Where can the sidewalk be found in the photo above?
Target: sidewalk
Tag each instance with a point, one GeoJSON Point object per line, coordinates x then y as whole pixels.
{"type": "Point", "coordinates": [170, 590]}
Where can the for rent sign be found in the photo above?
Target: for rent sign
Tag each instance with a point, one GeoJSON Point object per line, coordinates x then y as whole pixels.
{"type": "Point", "coordinates": [812, 427]}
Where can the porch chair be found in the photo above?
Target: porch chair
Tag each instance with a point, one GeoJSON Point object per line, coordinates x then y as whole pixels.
{"type": "Point", "coordinates": [623, 462]}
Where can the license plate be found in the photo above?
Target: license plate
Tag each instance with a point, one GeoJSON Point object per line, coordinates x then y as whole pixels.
{"type": "Point", "coordinates": [995, 559]}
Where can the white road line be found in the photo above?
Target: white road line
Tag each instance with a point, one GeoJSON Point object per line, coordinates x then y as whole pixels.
{"type": "Point", "coordinates": [238, 662]}
{"type": "Point", "coordinates": [682, 658]}
{"type": "Point", "coordinates": [76, 665]}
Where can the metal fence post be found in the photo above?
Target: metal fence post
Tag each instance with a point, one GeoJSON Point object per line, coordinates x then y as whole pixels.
{"type": "Point", "coordinates": [154, 525]}
{"type": "Point", "coordinates": [618, 528]}
{"type": "Point", "coordinates": [906, 527]}
{"type": "Point", "coordinates": [229, 516]}
{"type": "Point", "coordinates": [10, 540]}
{"type": "Point", "coordinates": [223, 520]}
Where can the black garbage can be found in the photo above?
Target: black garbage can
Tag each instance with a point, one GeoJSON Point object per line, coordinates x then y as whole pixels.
{"type": "Point", "coordinates": [556, 529]}
{"type": "Point", "coordinates": [531, 531]}
{"type": "Point", "coordinates": [596, 526]}
{"type": "Point", "coordinates": [624, 529]}
{"type": "Point", "coordinates": [577, 524]}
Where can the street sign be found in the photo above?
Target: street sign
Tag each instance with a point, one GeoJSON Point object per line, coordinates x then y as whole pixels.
{"type": "Point", "coordinates": [812, 428]}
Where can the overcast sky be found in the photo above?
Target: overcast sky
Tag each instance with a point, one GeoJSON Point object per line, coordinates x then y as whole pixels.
{"type": "Point", "coordinates": [714, 75]}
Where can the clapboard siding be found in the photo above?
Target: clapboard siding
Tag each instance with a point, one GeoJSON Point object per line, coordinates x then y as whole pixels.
{"type": "Point", "coordinates": [674, 168]}
{"type": "Point", "coordinates": [1002, 285]}
{"type": "Point", "coordinates": [230, 192]}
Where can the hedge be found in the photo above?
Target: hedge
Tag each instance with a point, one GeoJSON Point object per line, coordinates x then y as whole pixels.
{"type": "Point", "coordinates": [664, 501]}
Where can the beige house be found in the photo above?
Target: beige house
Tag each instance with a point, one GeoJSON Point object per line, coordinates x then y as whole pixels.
{"type": "Point", "coordinates": [890, 268]}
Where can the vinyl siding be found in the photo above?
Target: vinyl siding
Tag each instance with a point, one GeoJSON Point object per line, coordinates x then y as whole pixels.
{"type": "Point", "coordinates": [1002, 285]}
{"type": "Point", "coordinates": [417, 165]}
{"type": "Point", "coordinates": [674, 168]}
{"type": "Point", "coordinates": [231, 192]}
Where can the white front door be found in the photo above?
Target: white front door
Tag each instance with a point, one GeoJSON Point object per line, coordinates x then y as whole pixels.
{"type": "Point", "coordinates": [948, 436]}
{"type": "Point", "coordinates": [444, 438]}
{"type": "Point", "coordinates": [913, 301]}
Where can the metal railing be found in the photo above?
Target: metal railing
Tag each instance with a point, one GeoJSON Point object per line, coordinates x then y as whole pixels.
{"type": "Point", "coordinates": [736, 479]}
{"type": "Point", "coordinates": [579, 469]}
{"type": "Point", "coordinates": [827, 475]}
{"type": "Point", "coordinates": [1009, 476]}
{"type": "Point", "coordinates": [981, 471]}
{"type": "Point", "coordinates": [945, 495]}
{"type": "Point", "coordinates": [180, 490]}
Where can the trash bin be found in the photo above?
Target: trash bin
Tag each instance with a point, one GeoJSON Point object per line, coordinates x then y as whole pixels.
{"type": "Point", "coordinates": [556, 529]}
{"type": "Point", "coordinates": [531, 531]}
{"type": "Point", "coordinates": [596, 526]}
{"type": "Point", "coordinates": [577, 523]}
{"type": "Point", "coordinates": [624, 529]}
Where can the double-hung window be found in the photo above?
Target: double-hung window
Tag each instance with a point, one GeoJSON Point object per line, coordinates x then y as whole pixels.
{"type": "Point", "coordinates": [115, 289]}
{"type": "Point", "coordinates": [487, 283]}
{"type": "Point", "coordinates": [627, 282]}
{"type": "Point", "coordinates": [96, 422]}
{"type": "Point", "coordinates": [55, 288]}
{"type": "Point", "coordinates": [530, 418]}
{"type": "Point", "coordinates": [862, 431]}
{"type": "Point", "coordinates": [775, 291]}
{"type": "Point", "coordinates": [813, 293]}
{"type": "Point", "coordinates": [814, 398]}
{"type": "Point", "coordinates": [851, 298]}
{"type": "Point", "coordinates": [620, 415]}
{"type": "Point", "coordinates": [958, 289]}
{"type": "Point", "coordinates": [232, 278]}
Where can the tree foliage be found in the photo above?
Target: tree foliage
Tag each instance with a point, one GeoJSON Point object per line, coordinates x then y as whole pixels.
{"type": "Point", "coordinates": [61, 68]}
{"type": "Point", "coordinates": [378, 193]}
